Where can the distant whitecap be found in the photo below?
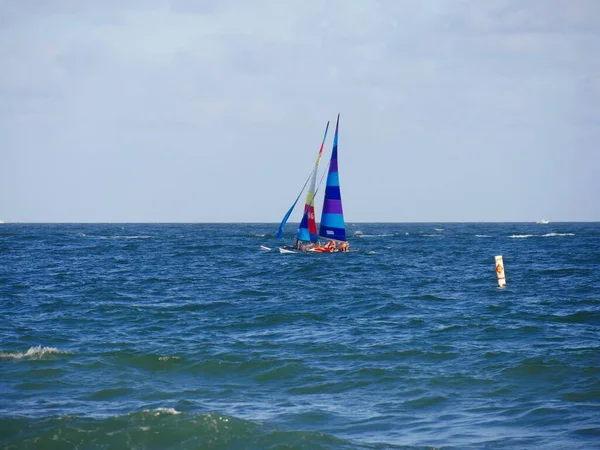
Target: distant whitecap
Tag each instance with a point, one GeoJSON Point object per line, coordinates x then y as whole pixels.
{"type": "Point", "coordinates": [38, 352]}
{"type": "Point", "coordinates": [159, 411]}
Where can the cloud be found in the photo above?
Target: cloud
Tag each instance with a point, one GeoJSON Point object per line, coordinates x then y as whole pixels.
{"type": "Point", "coordinates": [240, 91]}
{"type": "Point", "coordinates": [542, 16]}
{"type": "Point", "coordinates": [196, 7]}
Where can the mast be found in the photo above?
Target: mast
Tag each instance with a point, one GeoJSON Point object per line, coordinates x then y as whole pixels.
{"type": "Point", "coordinates": [332, 218]}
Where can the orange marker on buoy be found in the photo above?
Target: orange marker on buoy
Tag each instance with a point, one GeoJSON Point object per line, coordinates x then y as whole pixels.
{"type": "Point", "coordinates": [500, 271]}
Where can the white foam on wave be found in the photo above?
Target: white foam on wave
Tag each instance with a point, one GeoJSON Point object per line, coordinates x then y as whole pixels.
{"type": "Point", "coordinates": [38, 352]}
{"type": "Point", "coordinates": [373, 235]}
{"type": "Point", "coordinates": [481, 235]}
{"type": "Point", "coordinates": [431, 235]}
{"type": "Point", "coordinates": [125, 237]}
{"type": "Point", "coordinates": [523, 236]}
{"type": "Point", "coordinates": [159, 411]}
{"type": "Point", "coordinates": [167, 358]}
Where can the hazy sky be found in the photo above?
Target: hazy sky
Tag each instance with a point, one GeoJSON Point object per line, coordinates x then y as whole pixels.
{"type": "Point", "coordinates": [213, 110]}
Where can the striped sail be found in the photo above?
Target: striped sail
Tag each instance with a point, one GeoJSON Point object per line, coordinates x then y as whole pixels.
{"type": "Point", "coordinates": [332, 219]}
{"type": "Point", "coordinates": [307, 230]}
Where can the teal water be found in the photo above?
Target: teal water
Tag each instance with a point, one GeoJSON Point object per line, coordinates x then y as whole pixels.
{"type": "Point", "coordinates": [189, 336]}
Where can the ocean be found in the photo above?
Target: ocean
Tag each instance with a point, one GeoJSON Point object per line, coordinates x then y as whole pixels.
{"type": "Point", "coordinates": [188, 336]}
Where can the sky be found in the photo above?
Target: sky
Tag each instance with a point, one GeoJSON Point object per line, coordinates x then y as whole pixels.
{"type": "Point", "coordinates": [213, 110]}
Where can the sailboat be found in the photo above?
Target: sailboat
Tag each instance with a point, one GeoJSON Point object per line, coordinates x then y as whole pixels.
{"type": "Point", "coordinates": [332, 225]}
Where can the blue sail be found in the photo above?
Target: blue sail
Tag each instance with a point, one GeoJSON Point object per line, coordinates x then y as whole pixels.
{"type": "Point", "coordinates": [332, 218]}
{"type": "Point", "coordinates": [287, 215]}
{"type": "Point", "coordinates": [303, 234]}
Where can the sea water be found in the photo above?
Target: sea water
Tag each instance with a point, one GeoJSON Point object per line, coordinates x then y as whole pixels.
{"type": "Point", "coordinates": [190, 336]}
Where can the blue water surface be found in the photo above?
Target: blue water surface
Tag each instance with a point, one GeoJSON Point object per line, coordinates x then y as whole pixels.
{"type": "Point", "coordinates": [191, 336]}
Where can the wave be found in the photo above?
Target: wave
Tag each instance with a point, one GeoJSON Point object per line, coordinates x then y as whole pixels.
{"type": "Point", "coordinates": [481, 235]}
{"type": "Point", "coordinates": [425, 401]}
{"type": "Point", "coordinates": [523, 236]}
{"type": "Point", "coordinates": [159, 411]}
{"type": "Point", "coordinates": [38, 352]}
{"type": "Point", "coordinates": [166, 427]}
{"type": "Point", "coordinates": [167, 358]}
{"type": "Point", "coordinates": [583, 317]}
{"type": "Point", "coordinates": [125, 237]}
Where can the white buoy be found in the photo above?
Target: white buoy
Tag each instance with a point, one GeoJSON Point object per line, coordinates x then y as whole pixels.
{"type": "Point", "coordinates": [500, 271]}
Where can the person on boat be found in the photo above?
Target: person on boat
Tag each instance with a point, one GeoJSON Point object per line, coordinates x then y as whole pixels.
{"type": "Point", "coordinates": [319, 247]}
{"type": "Point", "coordinates": [298, 244]}
{"type": "Point", "coordinates": [330, 246]}
{"type": "Point", "coordinates": [344, 246]}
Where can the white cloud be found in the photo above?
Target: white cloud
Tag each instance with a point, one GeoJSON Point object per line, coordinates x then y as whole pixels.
{"type": "Point", "coordinates": [236, 94]}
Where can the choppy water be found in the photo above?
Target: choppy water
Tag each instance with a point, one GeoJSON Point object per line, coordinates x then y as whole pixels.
{"type": "Point", "coordinates": [190, 336]}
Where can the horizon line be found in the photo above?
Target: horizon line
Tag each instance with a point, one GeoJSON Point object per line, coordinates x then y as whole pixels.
{"type": "Point", "coordinates": [275, 223]}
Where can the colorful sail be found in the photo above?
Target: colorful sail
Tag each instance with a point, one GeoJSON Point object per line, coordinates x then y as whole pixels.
{"type": "Point", "coordinates": [287, 214]}
{"type": "Point", "coordinates": [332, 218]}
{"type": "Point", "coordinates": [307, 230]}
{"type": "Point", "coordinates": [309, 200]}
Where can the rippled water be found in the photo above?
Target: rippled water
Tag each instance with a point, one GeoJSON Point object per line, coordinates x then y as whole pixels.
{"type": "Point", "coordinates": [190, 336]}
